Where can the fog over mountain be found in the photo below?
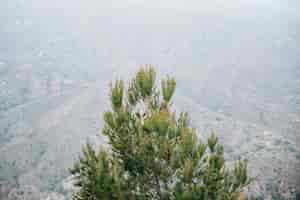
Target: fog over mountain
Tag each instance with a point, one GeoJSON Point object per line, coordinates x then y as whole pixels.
{"type": "Point", "coordinates": [237, 65]}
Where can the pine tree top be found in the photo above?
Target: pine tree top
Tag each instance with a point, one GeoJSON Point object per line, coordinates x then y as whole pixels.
{"type": "Point", "coordinates": [154, 153]}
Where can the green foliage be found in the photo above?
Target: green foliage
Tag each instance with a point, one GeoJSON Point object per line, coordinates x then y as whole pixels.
{"type": "Point", "coordinates": [117, 94]}
{"type": "Point", "coordinates": [97, 177]}
{"type": "Point", "coordinates": [154, 154]}
{"type": "Point", "coordinates": [145, 80]}
{"type": "Point", "coordinates": [168, 88]}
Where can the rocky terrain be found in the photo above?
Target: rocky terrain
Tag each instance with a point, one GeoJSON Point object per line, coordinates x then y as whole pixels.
{"type": "Point", "coordinates": [237, 67]}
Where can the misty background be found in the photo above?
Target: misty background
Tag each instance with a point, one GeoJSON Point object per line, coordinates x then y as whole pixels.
{"type": "Point", "coordinates": [236, 62]}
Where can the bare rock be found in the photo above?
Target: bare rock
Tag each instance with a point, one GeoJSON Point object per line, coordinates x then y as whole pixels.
{"type": "Point", "coordinates": [24, 193]}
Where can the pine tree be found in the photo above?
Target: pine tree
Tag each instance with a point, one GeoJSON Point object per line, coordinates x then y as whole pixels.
{"type": "Point", "coordinates": [154, 153]}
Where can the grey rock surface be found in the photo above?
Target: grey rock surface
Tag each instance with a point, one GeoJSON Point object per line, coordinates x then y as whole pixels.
{"type": "Point", "coordinates": [237, 66]}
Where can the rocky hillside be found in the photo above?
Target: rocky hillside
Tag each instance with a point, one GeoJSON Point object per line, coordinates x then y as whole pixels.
{"type": "Point", "coordinates": [237, 67]}
{"type": "Point", "coordinates": [41, 139]}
